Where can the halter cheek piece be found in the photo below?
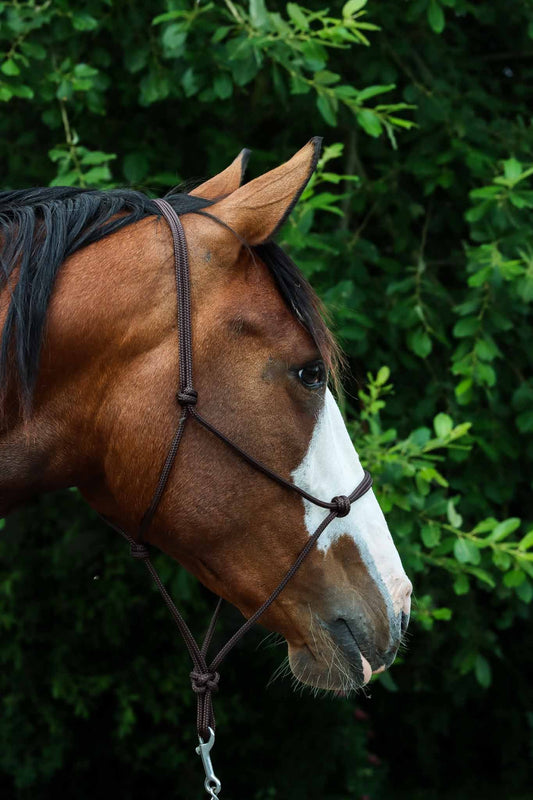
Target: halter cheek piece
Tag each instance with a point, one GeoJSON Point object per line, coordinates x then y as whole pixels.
{"type": "Point", "coordinates": [204, 676]}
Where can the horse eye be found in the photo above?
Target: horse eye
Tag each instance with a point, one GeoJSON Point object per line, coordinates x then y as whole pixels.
{"type": "Point", "coordinates": [313, 376]}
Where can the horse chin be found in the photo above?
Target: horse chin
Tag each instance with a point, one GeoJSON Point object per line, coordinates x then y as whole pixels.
{"type": "Point", "coordinates": [327, 669]}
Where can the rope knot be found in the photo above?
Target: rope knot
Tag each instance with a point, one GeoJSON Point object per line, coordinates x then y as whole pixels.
{"type": "Point", "coordinates": [139, 550]}
{"type": "Point", "coordinates": [203, 682]}
{"type": "Point", "coordinates": [187, 397]}
{"type": "Point", "coordinates": [342, 505]}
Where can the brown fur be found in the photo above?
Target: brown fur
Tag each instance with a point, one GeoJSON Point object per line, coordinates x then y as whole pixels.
{"type": "Point", "coordinates": [105, 408]}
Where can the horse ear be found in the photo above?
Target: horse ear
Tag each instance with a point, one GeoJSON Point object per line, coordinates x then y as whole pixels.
{"type": "Point", "coordinates": [258, 209]}
{"type": "Point", "coordinates": [226, 181]}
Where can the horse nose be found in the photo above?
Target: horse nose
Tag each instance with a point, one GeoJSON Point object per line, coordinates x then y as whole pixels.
{"type": "Point", "coordinates": [366, 648]}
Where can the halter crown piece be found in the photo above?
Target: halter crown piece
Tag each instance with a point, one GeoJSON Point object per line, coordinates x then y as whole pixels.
{"type": "Point", "coordinates": [205, 676]}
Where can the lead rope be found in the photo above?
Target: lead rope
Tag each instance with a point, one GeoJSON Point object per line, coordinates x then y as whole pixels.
{"type": "Point", "coordinates": [205, 676]}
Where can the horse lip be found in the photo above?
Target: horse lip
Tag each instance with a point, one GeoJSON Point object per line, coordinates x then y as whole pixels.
{"type": "Point", "coordinates": [357, 662]}
{"type": "Point", "coordinates": [358, 654]}
{"type": "Point", "coordinates": [366, 664]}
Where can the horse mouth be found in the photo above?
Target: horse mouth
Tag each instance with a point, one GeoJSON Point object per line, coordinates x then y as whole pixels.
{"type": "Point", "coordinates": [326, 667]}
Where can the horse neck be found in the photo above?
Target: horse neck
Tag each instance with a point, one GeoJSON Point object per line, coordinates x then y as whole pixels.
{"type": "Point", "coordinates": [101, 324]}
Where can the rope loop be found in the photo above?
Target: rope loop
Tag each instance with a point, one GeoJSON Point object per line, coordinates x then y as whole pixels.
{"type": "Point", "coordinates": [342, 505]}
{"type": "Point", "coordinates": [139, 550]}
{"type": "Point", "coordinates": [187, 397]}
{"type": "Point", "coordinates": [203, 682]}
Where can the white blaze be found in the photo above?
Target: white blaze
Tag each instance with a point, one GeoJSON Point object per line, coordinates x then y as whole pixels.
{"type": "Point", "coordinates": [331, 467]}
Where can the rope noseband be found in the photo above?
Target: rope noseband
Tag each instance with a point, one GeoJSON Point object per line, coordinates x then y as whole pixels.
{"type": "Point", "coordinates": [205, 676]}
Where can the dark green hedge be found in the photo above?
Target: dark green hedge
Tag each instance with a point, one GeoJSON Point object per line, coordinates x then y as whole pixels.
{"type": "Point", "coordinates": [417, 232]}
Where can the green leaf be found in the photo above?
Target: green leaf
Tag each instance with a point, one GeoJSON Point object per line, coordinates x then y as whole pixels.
{"type": "Point", "coordinates": [431, 474]}
{"type": "Point", "coordinates": [315, 55]}
{"type": "Point", "coordinates": [485, 374]}
{"type": "Point", "coordinates": [167, 17]}
{"type": "Point", "coordinates": [486, 349]}
{"type": "Point", "coordinates": [298, 17]}
{"type": "Point", "coordinates": [483, 576]}
{"type": "Point", "coordinates": [436, 16]}
{"type": "Point", "coordinates": [386, 680]}
{"type": "Point", "coordinates": [136, 59]}
{"type": "Point", "coordinates": [442, 613]}
{"type": "Point", "coordinates": [430, 535]}
{"type": "Point", "coordinates": [64, 90]}
{"type": "Point", "coordinates": [259, 15]}
{"type": "Point", "coordinates": [504, 529]}
{"type": "Point", "coordinates": [245, 61]}
{"type": "Point", "coordinates": [55, 154]}
{"type": "Point", "coordinates": [174, 39]}
{"type": "Point", "coordinates": [369, 121]}
{"type": "Point", "coordinates": [466, 552]}
{"type": "Point", "coordinates": [485, 192]}
{"type": "Point", "coordinates": [527, 541]}
{"type": "Point", "coordinates": [220, 33]}
{"type": "Point", "coordinates": [483, 672]}
{"type": "Point", "coordinates": [82, 70]}
{"type": "Point", "coordinates": [460, 430]}
{"type": "Point", "coordinates": [153, 87]}
{"type": "Point", "coordinates": [512, 169]}
{"type": "Point", "coordinates": [514, 578]}
{"type": "Point", "coordinates": [299, 85]}
{"type": "Point", "coordinates": [326, 108]}
{"type": "Point", "coordinates": [501, 559]}
{"type": "Point", "coordinates": [189, 82]}
{"type": "Point", "coordinates": [326, 78]}
{"type": "Point", "coordinates": [352, 7]}
{"type": "Point", "coordinates": [33, 50]}
{"type": "Point", "coordinates": [97, 176]}
{"type": "Point", "coordinates": [463, 391]}
{"type": "Point", "coordinates": [223, 86]}
{"type": "Point", "coordinates": [525, 592]}
{"type": "Point", "coordinates": [84, 22]}
{"type": "Point", "coordinates": [461, 584]}
{"type": "Point", "coordinates": [524, 421]}
{"type": "Point", "coordinates": [372, 91]}
{"type": "Point", "coordinates": [420, 436]}
{"type": "Point", "coordinates": [383, 376]}
{"type": "Point", "coordinates": [442, 424]}
{"type": "Point", "coordinates": [419, 342]}
{"type": "Point", "coordinates": [10, 67]}
{"type": "Point", "coordinates": [96, 157]}
{"type": "Point", "coordinates": [20, 90]}
{"type": "Point", "coordinates": [454, 518]}
{"type": "Point", "coordinates": [485, 525]}
{"type": "Point", "coordinates": [466, 327]}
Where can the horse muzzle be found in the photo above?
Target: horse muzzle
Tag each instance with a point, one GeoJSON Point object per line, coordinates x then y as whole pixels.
{"type": "Point", "coordinates": [343, 651]}
{"type": "Point", "coordinates": [363, 650]}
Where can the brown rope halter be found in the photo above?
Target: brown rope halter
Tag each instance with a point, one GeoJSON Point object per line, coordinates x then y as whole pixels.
{"type": "Point", "coordinates": [205, 676]}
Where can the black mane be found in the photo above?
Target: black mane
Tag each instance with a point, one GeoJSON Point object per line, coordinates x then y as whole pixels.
{"type": "Point", "coordinates": [40, 228]}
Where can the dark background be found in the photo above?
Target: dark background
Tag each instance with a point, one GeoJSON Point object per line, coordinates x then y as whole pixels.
{"type": "Point", "coordinates": [427, 269]}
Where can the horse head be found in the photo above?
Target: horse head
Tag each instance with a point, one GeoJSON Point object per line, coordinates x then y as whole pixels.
{"type": "Point", "coordinates": [104, 410]}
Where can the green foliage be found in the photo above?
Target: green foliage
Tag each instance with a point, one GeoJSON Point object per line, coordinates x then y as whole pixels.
{"type": "Point", "coordinates": [416, 496]}
{"type": "Point", "coordinates": [416, 229]}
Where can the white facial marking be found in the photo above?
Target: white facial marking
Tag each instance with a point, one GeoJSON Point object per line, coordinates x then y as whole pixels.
{"type": "Point", "coordinates": [331, 467]}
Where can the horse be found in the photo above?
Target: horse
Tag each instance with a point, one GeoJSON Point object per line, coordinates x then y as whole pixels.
{"type": "Point", "coordinates": [88, 364]}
